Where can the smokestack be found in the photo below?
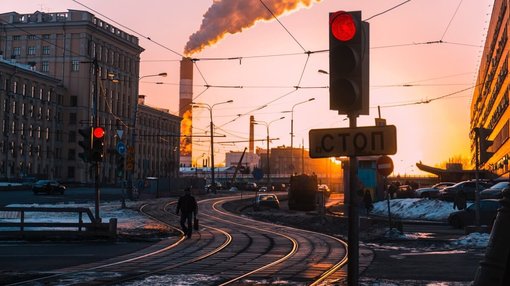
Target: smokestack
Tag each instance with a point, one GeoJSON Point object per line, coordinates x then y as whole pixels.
{"type": "Point", "coordinates": [185, 110]}
{"type": "Point", "coordinates": [252, 123]}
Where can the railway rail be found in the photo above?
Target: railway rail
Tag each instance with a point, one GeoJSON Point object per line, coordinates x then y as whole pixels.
{"type": "Point", "coordinates": [227, 250]}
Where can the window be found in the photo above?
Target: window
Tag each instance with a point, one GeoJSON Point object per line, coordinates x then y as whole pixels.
{"type": "Point", "coordinates": [75, 65]}
{"type": "Point", "coordinates": [71, 154]}
{"type": "Point", "coordinates": [70, 172]}
{"type": "Point", "coordinates": [72, 118]}
{"type": "Point", "coordinates": [16, 37]}
{"type": "Point", "coordinates": [31, 51]}
{"type": "Point", "coordinates": [46, 50]}
{"type": "Point", "coordinates": [32, 37]}
{"type": "Point", "coordinates": [16, 51]}
{"type": "Point", "coordinates": [45, 66]}
{"type": "Point", "coordinates": [46, 36]}
{"type": "Point", "coordinates": [74, 101]}
{"type": "Point", "coordinates": [72, 136]}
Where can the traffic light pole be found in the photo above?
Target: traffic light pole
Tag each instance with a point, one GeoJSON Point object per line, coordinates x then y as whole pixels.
{"type": "Point", "coordinates": [95, 119]}
{"type": "Point", "coordinates": [353, 220]}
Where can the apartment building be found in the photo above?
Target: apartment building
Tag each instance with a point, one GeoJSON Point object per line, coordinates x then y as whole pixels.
{"type": "Point", "coordinates": [96, 66]}
{"type": "Point", "coordinates": [489, 107]}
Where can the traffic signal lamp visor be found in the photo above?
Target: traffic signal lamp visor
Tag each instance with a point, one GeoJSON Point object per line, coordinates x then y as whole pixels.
{"type": "Point", "coordinates": [343, 26]}
{"type": "Point", "coordinates": [98, 132]}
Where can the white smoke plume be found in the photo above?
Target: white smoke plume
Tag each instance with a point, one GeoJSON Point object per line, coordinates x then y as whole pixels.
{"type": "Point", "coordinates": [232, 16]}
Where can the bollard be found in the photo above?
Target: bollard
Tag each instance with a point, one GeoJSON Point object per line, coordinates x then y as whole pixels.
{"type": "Point", "coordinates": [494, 268]}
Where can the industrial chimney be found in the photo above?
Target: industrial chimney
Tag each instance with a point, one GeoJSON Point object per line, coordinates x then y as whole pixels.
{"type": "Point", "coordinates": [185, 111]}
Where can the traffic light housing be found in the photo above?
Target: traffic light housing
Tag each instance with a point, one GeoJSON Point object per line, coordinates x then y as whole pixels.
{"type": "Point", "coordinates": [348, 63]}
{"type": "Point", "coordinates": [97, 144]}
{"type": "Point", "coordinates": [484, 143]}
{"type": "Point", "coordinates": [120, 162]}
{"type": "Point", "coordinates": [86, 144]}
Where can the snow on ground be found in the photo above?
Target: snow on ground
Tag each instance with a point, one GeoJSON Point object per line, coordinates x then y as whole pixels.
{"type": "Point", "coordinates": [419, 209]}
{"type": "Point", "coordinates": [127, 218]}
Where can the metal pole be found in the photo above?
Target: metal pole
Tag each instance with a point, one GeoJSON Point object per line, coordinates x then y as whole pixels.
{"type": "Point", "coordinates": [213, 184]}
{"type": "Point", "coordinates": [292, 142]}
{"type": "Point", "coordinates": [353, 220]}
{"type": "Point", "coordinates": [477, 168]}
{"type": "Point", "coordinates": [95, 119]}
{"type": "Point", "coordinates": [268, 167]}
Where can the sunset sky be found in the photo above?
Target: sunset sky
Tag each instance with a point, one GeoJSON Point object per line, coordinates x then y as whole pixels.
{"type": "Point", "coordinates": [421, 50]}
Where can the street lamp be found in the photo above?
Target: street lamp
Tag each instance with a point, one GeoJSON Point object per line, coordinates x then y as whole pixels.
{"type": "Point", "coordinates": [133, 134]}
{"type": "Point", "coordinates": [292, 133]}
{"type": "Point", "coordinates": [267, 124]}
{"type": "Point", "coordinates": [162, 74]}
{"type": "Point", "coordinates": [210, 107]}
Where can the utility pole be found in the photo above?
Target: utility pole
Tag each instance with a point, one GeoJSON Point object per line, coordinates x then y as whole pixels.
{"type": "Point", "coordinates": [95, 124]}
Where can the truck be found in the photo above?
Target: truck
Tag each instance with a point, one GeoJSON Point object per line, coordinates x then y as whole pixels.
{"type": "Point", "coordinates": [302, 192]}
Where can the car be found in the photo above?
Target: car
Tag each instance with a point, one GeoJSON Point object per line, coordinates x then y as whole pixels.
{"type": "Point", "coordinates": [324, 189]}
{"type": "Point", "coordinates": [496, 191]}
{"type": "Point", "coordinates": [48, 187]}
{"type": "Point", "coordinates": [268, 201]}
{"type": "Point", "coordinates": [405, 191]}
{"type": "Point", "coordinates": [433, 191]}
{"type": "Point", "coordinates": [488, 211]}
{"type": "Point", "coordinates": [251, 186]}
{"type": "Point", "coordinates": [208, 187]}
{"type": "Point", "coordinates": [263, 189]}
{"type": "Point", "coordinates": [469, 187]}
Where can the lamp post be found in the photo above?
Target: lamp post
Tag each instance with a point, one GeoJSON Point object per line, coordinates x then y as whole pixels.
{"type": "Point", "coordinates": [267, 124]}
{"type": "Point", "coordinates": [135, 115]}
{"type": "Point", "coordinates": [292, 133]}
{"type": "Point", "coordinates": [210, 107]}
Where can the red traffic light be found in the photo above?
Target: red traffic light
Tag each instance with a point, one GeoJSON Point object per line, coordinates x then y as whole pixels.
{"type": "Point", "coordinates": [98, 132]}
{"type": "Point", "coordinates": [343, 26]}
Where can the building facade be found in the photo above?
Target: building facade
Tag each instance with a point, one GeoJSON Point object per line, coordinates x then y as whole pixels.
{"type": "Point", "coordinates": [489, 107]}
{"type": "Point", "coordinates": [32, 126]}
{"type": "Point", "coordinates": [157, 143]}
{"type": "Point", "coordinates": [96, 66]}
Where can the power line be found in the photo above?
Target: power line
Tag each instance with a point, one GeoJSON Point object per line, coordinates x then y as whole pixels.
{"type": "Point", "coordinates": [281, 24]}
{"type": "Point", "coordinates": [126, 27]}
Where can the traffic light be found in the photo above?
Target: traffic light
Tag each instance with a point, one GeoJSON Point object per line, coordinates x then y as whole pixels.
{"type": "Point", "coordinates": [97, 144]}
{"type": "Point", "coordinates": [85, 143]}
{"type": "Point", "coordinates": [119, 170]}
{"type": "Point", "coordinates": [485, 143]}
{"type": "Point", "coordinates": [348, 63]}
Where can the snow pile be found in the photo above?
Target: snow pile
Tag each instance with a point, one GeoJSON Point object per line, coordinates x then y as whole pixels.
{"type": "Point", "coordinates": [472, 240]}
{"type": "Point", "coordinates": [419, 209]}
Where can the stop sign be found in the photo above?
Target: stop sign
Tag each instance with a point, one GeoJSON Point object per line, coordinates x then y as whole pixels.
{"type": "Point", "coordinates": [384, 166]}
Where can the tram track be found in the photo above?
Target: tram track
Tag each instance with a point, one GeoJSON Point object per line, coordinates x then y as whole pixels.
{"type": "Point", "coordinates": [230, 249]}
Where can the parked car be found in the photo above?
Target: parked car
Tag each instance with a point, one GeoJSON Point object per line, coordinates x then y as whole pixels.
{"type": "Point", "coordinates": [488, 211]}
{"type": "Point", "coordinates": [251, 186]}
{"type": "Point", "coordinates": [208, 187]}
{"type": "Point", "coordinates": [263, 189]}
{"type": "Point", "coordinates": [48, 187]}
{"type": "Point", "coordinates": [266, 201]}
{"type": "Point", "coordinates": [469, 188]}
{"type": "Point", "coordinates": [405, 191]}
{"type": "Point", "coordinates": [433, 191]}
{"type": "Point", "coordinates": [325, 189]}
{"type": "Point", "coordinates": [494, 192]}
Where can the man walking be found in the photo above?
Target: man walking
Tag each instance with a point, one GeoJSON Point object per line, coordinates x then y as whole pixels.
{"type": "Point", "coordinates": [188, 207]}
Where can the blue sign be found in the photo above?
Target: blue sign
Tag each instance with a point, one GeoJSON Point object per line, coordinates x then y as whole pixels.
{"type": "Point", "coordinates": [257, 173]}
{"type": "Point", "coordinates": [121, 148]}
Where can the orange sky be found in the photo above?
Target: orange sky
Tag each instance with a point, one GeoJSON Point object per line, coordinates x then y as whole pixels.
{"type": "Point", "coordinates": [431, 132]}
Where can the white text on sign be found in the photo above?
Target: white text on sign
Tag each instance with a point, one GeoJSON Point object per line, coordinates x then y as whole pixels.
{"type": "Point", "coordinates": [359, 141]}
